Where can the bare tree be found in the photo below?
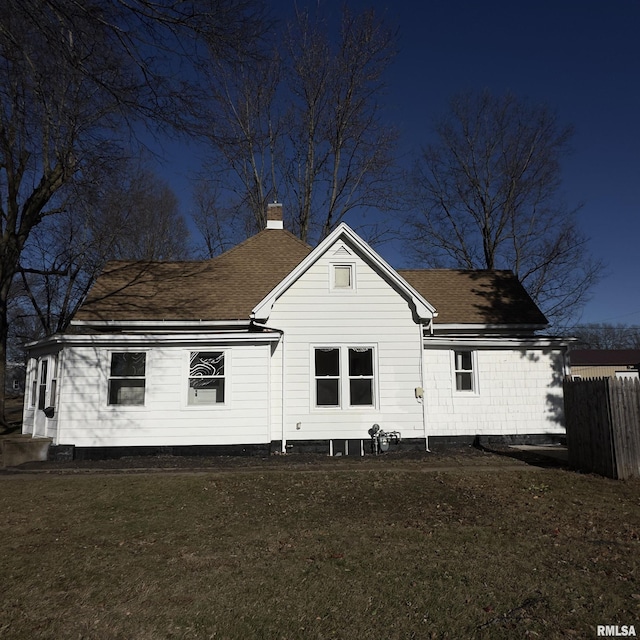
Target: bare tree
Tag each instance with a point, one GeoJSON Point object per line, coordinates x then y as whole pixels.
{"type": "Point", "coordinates": [305, 126]}
{"type": "Point", "coordinates": [608, 336]}
{"type": "Point", "coordinates": [343, 149]}
{"type": "Point", "coordinates": [73, 76]}
{"type": "Point", "coordinates": [218, 225]}
{"type": "Point", "coordinates": [130, 214]}
{"type": "Point", "coordinates": [245, 135]}
{"type": "Point", "coordinates": [487, 197]}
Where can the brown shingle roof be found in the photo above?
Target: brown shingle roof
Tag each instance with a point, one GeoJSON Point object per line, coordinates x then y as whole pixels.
{"type": "Point", "coordinates": [475, 297]}
{"type": "Point", "coordinates": [223, 288]}
{"type": "Point", "coordinates": [230, 286]}
{"type": "Point", "coordinates": [605, 357]}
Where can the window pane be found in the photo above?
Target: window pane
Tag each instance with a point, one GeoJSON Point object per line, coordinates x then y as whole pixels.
{"type": "Point", "coordinates": [128, 364]}
{"type": "Point", "coordinates": [361, 392]}
{"type": "Point", "coordinates": [206, 390]}
{"type": "Point", "coordinates": [126, 392]}
{"type": "Point", "coordinates": [52, 398]}
{"type": "Point", "coordinates": [464, 382]}
{"type": "Point", "coordinates": [327, 362]}
{"type": "Point", "coordinates": [360, 362]}
{"type": "Point", "coordinates": [42, 397]}
{"type": "Point", "coordinates": [206, 363]}
{"type": "Point", "coordinates": [327, 393]}
{"type": "Point", "coordinates": [342, 277]}
{"type": "Point", "coordinates": [463, 360]}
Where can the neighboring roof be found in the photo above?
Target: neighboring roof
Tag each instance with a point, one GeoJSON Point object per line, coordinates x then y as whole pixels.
{"type": "Point", "coordinates": [223, 288]}
{"type": "Point", "coordinates": [230, 286]}
{"type": "Point", "coordinates": [475, 297]}
{"type": "Point", "coordinates": [605, 357]}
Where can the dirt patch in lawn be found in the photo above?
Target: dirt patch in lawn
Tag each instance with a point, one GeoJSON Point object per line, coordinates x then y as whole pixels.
{"type": "Point", "coordinates": [443, 458]}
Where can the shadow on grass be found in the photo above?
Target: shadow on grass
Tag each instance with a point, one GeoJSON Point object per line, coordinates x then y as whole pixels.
{"type": "Point", "coordinates": [535, 457]}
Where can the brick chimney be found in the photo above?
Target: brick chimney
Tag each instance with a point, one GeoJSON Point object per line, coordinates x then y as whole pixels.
{"type": "Point", "coordinates": [274, 216]}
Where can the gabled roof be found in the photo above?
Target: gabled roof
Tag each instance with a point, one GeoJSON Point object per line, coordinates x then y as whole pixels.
{"type": "Point", "coordinates": [223, 288]}
{"type": "Point", "coordinates": [605, 357]}
{"type": "Point", "coordinates": [421, 307]}
{"type": "Point", "coordinates": [244, 282]}
{"type": "Point", "coordinates": [475, 297]}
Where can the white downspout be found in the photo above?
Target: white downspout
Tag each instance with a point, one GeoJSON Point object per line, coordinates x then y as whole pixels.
{"type": "Point", "coordinates": [423, 399]}
{"type": "Point", "coordinates": [283, 427]}
{"type": "Point", "coordinates": [284, 430]}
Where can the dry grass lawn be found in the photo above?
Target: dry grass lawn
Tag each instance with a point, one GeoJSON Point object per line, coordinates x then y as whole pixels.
{"type": "Point", "coordinates": [322, 552]}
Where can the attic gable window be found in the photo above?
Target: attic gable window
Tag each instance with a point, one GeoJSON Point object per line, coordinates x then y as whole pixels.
{"type": "Point", "coordinates": [127, 378]}
{"type": "Point", "coordinates": [342, 277]}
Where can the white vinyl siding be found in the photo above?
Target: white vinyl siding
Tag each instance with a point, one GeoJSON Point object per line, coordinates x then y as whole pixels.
{"type": "Point", "coordinates": [373, 315]}
{"type": "Point", "coordinates": [518, 394]}
{"type": "Point", "coordinates": [85, 418]}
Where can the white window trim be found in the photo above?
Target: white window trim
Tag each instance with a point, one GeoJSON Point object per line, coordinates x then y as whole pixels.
{"type": "Point", "coordinates": [53, 381]}
{"type": "Point", "coordinates": [343, 384]}
{"type": "Point", "coordinates": [218, 406]}
{"type": "Point", "coordinates": [32, 383]}
{"type": "Point", "coordinates": [147, 387]}
{"type": "Point", "coordinates": [475, 390]}
{"type": "Point", "coordinates": [332, 276]}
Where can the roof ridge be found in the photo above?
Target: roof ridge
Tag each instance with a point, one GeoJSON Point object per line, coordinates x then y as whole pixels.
{"type": "Point", "coordinates": [260, 234]}
{"type": "Point", "coordinates": [455, 269]}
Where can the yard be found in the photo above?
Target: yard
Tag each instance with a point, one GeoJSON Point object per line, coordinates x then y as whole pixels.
{"type": "Point", "coordinates": [393, 548]}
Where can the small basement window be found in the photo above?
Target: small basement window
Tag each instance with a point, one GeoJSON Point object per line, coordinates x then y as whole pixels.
{"type": "Point", "coordinates": [127, 378]}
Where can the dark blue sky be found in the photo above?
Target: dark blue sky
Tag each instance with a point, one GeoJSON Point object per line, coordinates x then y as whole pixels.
{"type": "Point", "coordinates": [579, 56]}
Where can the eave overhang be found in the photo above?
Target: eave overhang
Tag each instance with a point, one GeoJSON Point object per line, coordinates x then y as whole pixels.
{"type": "Point", "coordinates": [153, 339]}
{"type": "Point", "coordinates": [424, 311]}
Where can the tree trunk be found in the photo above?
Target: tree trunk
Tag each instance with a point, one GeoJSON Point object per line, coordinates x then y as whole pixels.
{"type": "Point", "coordinates": [4, 332]}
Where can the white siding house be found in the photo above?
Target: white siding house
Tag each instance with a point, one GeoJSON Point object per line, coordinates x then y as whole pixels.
{"type": "Point", "coordinates": [275, 346]}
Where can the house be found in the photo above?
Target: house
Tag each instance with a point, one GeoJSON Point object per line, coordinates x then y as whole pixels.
{"type": "Point", "coordinates": [275, 346]}
{"type": "Point", "coordinates": [604, 363]}
{"type": "Point", "coordinates": [14, 378]}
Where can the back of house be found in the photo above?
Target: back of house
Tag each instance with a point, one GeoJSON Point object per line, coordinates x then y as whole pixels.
{"type": "Point", "coordinates": [275, 346]}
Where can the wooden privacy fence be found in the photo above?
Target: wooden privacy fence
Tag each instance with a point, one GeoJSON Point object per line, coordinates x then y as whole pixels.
{"type": "Point", "coordinates": [602, 417]}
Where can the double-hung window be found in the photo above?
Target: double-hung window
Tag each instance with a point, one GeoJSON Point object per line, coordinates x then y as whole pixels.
{"type": "Point", "coordinates": [327, 372]}
{"type": "Point", "coordinates": [360, 376]}
{"type": "Point", "coordinates": [344, 376]}
{"type": "Point", "coordinates": [206, 378]}
{"type": "Point", "coordinates": [127, 378]}
{"type": "Point", "coordinates": [463, 364]}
